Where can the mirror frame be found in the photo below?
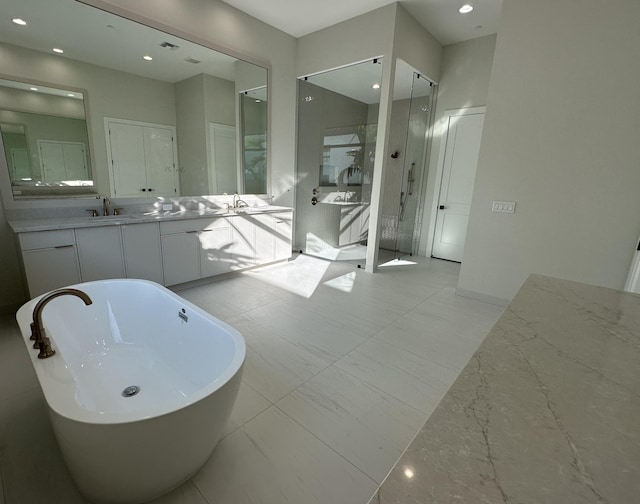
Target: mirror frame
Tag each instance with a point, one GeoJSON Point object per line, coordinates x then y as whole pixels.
{"type": "Point", "coordinates": [80, 201]}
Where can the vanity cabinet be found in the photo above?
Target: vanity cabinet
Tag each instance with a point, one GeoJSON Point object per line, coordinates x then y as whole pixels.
{"type": "Point", "coordinates": [283, 235]}
{"type": "Point", "coordinates": [142, 252]}
{"type": "Point", "coordinates": [354, 224]}
{"type": "Point", "coordinates": [167, 252]}
{"type": "Point", "coordinates": [193, 249]}
{"type": "Point", "coordinates": [273, 234]}
{"type": "Point", "coordinates": [100, 253]}
{"type": "Point", "coordinates": [50, 260]}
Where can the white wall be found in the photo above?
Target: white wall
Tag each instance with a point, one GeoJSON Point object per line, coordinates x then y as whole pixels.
{"type": "Point", "coordinates": [464, 82]}
{"type": "Point", "coordinates": [222, 27]}
{"type": "Point", "coordinates": [561, 139]}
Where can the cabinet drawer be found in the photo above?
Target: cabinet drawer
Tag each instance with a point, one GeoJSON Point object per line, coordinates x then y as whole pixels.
{"type": "Point", "coordinates": [190, 225]}
{"type": "Point", "coordinates": [47, 239]}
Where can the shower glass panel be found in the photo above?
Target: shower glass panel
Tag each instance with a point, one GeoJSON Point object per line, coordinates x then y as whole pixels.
{"type": "Point", "coordinates": [402, 203]}
{"type": "Point", "coordinates": [337, 127]}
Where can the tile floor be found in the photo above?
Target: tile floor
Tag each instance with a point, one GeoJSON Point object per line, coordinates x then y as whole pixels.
{"type": "Point", "coordinates": [343, 368]}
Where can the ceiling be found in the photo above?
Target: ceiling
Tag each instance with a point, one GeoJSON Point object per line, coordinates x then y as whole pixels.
{"type": "Point", "coordinates": [95, 36]}
{"type": "Point", "coordinates": [438, 17]}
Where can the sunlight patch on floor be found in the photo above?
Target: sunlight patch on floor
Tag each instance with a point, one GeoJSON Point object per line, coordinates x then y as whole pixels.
{"type": "Point", "coordinates": [398, 262]}
{"type": "Point", "coordinates": [300, 276]}
{"type": "Point", "coordinates": [343, 283]}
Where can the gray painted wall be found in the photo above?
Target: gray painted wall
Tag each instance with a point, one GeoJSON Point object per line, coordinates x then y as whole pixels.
{"type": "Point", "coordinates": [561, 139]}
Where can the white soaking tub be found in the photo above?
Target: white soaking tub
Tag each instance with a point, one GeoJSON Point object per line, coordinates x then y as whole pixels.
{"type": "Point", "coordinates": [184, 364]}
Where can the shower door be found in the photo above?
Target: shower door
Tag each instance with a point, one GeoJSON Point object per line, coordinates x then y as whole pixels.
{"type": "Point", "coordinates": [413, 173]}
{"type": "Point", "coordinates": [337, 128]}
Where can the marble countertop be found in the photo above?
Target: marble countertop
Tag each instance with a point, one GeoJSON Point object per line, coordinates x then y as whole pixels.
{"type": "Point", "coordinates": [30, 225]}
{"type": "Point", "coordinates": [546, 411]}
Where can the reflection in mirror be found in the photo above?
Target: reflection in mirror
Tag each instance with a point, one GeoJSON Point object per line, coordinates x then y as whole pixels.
{"type": "Point", "coordinates": [151, 82]}
{"type": "Point", "coordinates": [337, 128]}
{"type": "Point", "coordinates": [254, 140]}
{"type": "Point", "coordinates": [45, 139]}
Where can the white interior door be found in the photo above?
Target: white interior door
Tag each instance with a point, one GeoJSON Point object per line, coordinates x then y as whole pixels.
{"type": "Point", "coordinates": [159, 161]}
{"type": "Point", "coordinates": [224, 166]}
{"type": "Point", "coordinates": [20, 164]}
{"type": "Point", "coordinates": [127, 159]}
{"type": "Point", "coordinates": [62, 160]}
{"type": "Point", "coordinates": [459, 161]}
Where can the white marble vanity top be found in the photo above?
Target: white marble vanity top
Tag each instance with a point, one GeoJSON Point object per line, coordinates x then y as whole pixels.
{"type": "Point", "coordinates": [546, 411]}
{"type": "Point", "coordinates": [29, 225]}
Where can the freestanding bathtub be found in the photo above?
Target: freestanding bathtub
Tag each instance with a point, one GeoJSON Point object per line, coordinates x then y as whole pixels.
{"type": "Point", "coordinates": [185, 364]}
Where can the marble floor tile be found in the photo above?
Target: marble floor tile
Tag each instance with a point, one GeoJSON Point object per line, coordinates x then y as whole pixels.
{"type": "Point", "coordinates": [249, 404]}
{"type": "Point", "coordinates": [366, 426]}
{"type": "Point", "coordinates": [416, 381]}
{"type": "Point", "coordinates": [273, 460]}
{"type": "Point", "coordinates": [321, 335]}
{"type": "Point", "coordinates": [435, 339]}
{"type": "Point", "coordinates": [274, 366]}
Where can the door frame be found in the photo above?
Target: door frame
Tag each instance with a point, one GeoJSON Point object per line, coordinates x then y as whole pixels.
{"type": "Point", "coordinates": [444, 131]}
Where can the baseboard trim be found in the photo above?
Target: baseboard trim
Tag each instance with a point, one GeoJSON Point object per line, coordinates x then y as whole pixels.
{"type": "Point", "coordinates": [478, 296]}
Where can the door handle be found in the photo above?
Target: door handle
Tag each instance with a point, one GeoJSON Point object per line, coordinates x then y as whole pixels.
{"type": "Point", "coordinates": [442, 207]}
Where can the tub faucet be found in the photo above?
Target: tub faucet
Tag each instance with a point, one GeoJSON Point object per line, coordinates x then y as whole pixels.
{"type": "Point", "coordinates": [37, 330]}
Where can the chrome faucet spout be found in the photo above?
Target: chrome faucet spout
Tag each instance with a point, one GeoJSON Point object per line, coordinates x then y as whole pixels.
{"type": "Point", "coordinates": [105, 205]}
{"type": "Point", "coordinates": [37, 329]}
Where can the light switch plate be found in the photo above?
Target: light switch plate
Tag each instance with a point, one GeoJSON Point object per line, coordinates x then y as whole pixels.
{"type": "Point", "coordinates": [504, 206]}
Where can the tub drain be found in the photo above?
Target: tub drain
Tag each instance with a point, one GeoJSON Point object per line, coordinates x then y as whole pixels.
{"type": "Point", "coordinates": [130, 391]}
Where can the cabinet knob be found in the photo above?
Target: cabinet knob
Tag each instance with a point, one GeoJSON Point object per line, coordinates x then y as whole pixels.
{"type": "Point", "coordinates": [143, 189]}
{"type": "Point", "coordinates": [150, 189]}
{"type": "Point", "coordinates": [442, 207]}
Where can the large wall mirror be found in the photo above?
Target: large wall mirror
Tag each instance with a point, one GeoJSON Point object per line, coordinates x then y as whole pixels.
{"type": "Point", "coordinates": [124, 109]}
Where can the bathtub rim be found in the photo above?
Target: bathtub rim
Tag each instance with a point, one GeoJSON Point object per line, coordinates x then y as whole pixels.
{"type": "Point", "coordinates": [58, 384]}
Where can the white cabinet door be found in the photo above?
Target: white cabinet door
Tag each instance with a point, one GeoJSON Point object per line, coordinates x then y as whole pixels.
{"type": "Point", "coordinates": [244, 242]}
{"type": "Point", "coordinates": [265, 238]}
{"type": "Point", "coordinates": [283, 233]}
{"type": "Point", "coordinates": [127, 159]}
{"type": "Point", "coordinates": [142, 253]}
{"type": "Point", "coordinates": [100, 253]}
{"type": "Point", "coordinates": [159, 161]}
{"type": "Point", "coordinates": [180, 257]}
{"type": "Point", "coordinates": [215, 253]}
{"type": "Point", "coordinates": [50, 268]}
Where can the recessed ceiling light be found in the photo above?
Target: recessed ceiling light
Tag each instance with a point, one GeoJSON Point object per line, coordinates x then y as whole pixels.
{"type": "Point", "coordinates": [19, 21]}
{"type": "Point", "coordinates": [57, 50]}
{"type": "Point", "coordinates": [147, 58]}
{"type": "Point", "coordinates": [33, 88]}
{"type": "Point", "coordinates": [376, 86]}
{"type": "Point", "coordinates": [465, 9]}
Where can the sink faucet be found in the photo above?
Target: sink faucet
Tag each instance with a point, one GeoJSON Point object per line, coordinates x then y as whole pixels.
{"type": "Point", "coordinates": [237, 202]}
{"type": "Point", "coordinates": [105, 205]}
{"type": "Point", "coordinates": [37, 330]}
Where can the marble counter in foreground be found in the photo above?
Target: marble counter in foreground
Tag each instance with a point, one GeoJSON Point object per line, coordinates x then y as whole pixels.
{"type": "Point", "coordinates": [546, 411]}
